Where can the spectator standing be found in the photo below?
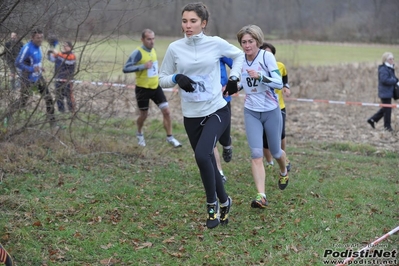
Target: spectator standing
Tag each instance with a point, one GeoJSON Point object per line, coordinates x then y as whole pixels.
{"type": "Point", "coordinates": [193, 63]}
{"type": "Point", "coordinates": [386, 84]}
{"type": "Point", "coordinates": [65, 63]}
{"type": "Point", "coordinates": [29, 63]}
{"type": "Point", "coordinates": [12, 48]}
{"type": "Point", "coordinates": [143, 61]}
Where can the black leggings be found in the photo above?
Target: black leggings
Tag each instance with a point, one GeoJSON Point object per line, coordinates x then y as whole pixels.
{"type": "Point", "coordinates": [203, 133]}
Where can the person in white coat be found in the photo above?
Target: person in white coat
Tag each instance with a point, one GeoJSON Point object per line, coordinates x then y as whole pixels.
{"type": "Point", "coordinates": [193, 63]}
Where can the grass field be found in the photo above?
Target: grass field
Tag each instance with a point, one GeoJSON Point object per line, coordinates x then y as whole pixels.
{"type": "Point", "coordinates": [103, 61]}
{"type": "Point", "coordinates": [118, 204]}
{"type": "Point", "coordinates": [91, 196]}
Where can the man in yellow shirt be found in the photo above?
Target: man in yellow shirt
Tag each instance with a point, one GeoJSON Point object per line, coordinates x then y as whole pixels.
{"type": "Point", "coordinates": [285, 91]}
{"type": "Point", "coordinates": [143, 61]}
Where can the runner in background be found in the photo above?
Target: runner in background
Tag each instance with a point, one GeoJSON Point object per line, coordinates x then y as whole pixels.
{"type": "Point", "coordinates": [284, 92]}
{"type": "Point", "coordinates": [259, 79]}
{"type": "Point", "coordinates": [143, 61]}
{"type": "Point", "coordinates": [227, 153]}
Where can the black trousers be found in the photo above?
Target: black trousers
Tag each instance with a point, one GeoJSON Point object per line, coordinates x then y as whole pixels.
{"type": "Point", "coordinates": [384, 112]}
{"type": "Point", "coordinates": [204, 133]}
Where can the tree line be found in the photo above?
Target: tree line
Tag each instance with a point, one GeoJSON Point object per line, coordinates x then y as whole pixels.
{"type": "Point", "coordinates": [338, 20]}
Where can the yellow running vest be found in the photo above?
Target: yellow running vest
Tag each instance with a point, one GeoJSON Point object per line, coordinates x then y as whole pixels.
{"type": "Point", "coordinates": [147, 78]}
{"type": "Point", "coordinates": [283, 72]}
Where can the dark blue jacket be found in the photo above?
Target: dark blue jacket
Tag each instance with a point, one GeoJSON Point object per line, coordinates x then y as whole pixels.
{"type": "Point", "coordinates": [386, 81]}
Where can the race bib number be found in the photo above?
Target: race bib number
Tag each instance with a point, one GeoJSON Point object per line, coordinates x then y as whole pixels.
{"type": "Point", "coordinates": [252, 85]}
{"type": "Point", "coordinates": [153, 71]}
{"type": "Point", "coordinates": [203, 90]}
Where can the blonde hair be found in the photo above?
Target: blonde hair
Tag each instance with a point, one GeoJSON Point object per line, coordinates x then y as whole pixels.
{"type": "Point", "coordinates": [385, 56]}
{"type": "Point", "coordinates": [252, 30]}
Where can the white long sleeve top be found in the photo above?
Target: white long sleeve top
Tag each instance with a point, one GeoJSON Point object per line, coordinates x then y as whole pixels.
{"type": "Point", "coordinates": [198, 58]}
{"type": "Point", "coordinates": [260, 95]}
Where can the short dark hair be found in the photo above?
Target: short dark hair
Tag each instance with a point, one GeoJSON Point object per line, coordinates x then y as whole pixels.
{"type": "Point", "coordinates": [144, 32]}
{"type": "Point", "coordinates": [69, 44]}
{"type": "Point", "coordinates": [270, 46]}
{"type": "Point", "coordinates": [36, 31]}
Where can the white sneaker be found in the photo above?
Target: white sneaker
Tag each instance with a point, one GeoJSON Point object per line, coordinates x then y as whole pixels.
{"type": "Point", "coordinates": [140, 140]}
{"type": "Point", "coordinates": [174, 142]}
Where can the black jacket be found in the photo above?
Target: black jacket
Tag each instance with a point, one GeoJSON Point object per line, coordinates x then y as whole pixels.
{"type": "Point", "coordinates": [12, 49]}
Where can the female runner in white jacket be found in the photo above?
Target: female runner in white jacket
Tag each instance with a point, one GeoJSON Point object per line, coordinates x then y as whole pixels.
{"type": "Point", "coordinates": [193, 63]}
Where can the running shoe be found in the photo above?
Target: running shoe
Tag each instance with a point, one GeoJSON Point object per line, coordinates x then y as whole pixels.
{"type": "Point", "coordinates": [269, 166]}
{"type": "Point", "coordinates": [224, 212]}
{"type": "Point", "coordinates": [288, 165]}
{"type": "Point", "coordinates": [174, 142]}
{"type": "Point", "coordinates": [283, 181]}
{"type": "Point", "coordinates": [259, 202]}
{"type": "Point", "coordinates": [213, 215]}
{"type": "Point", "coordinates": [140, 140]}
{"type": "Point", "coordinates": [227, 154]}
{"type": "Point", "coordinates": [5, 258]}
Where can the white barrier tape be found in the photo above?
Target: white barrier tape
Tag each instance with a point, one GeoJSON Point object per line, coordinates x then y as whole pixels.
{"type": "Point", "coordinates": [97, 83]}
{"type": "Point", "coordinates": [342, 102]}
{"type": "Point", "coordinates": [286, 99]}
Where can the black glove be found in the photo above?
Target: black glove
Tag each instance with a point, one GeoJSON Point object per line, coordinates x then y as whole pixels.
{"type": "Point", "coordinates": [231, 87]}
{"type": "Point", "coordinates": [185, 82]}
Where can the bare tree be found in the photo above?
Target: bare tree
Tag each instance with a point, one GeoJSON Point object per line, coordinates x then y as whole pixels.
{"type": "Point", "coordinates": [86, 24]}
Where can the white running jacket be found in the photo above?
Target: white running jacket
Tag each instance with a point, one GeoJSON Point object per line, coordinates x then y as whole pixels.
{"type": "Point", "coordinates": [198, 58]}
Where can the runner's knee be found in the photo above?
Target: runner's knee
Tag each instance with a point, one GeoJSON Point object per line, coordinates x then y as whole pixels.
{"type": "Point", "coordinates": [256, 153]}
